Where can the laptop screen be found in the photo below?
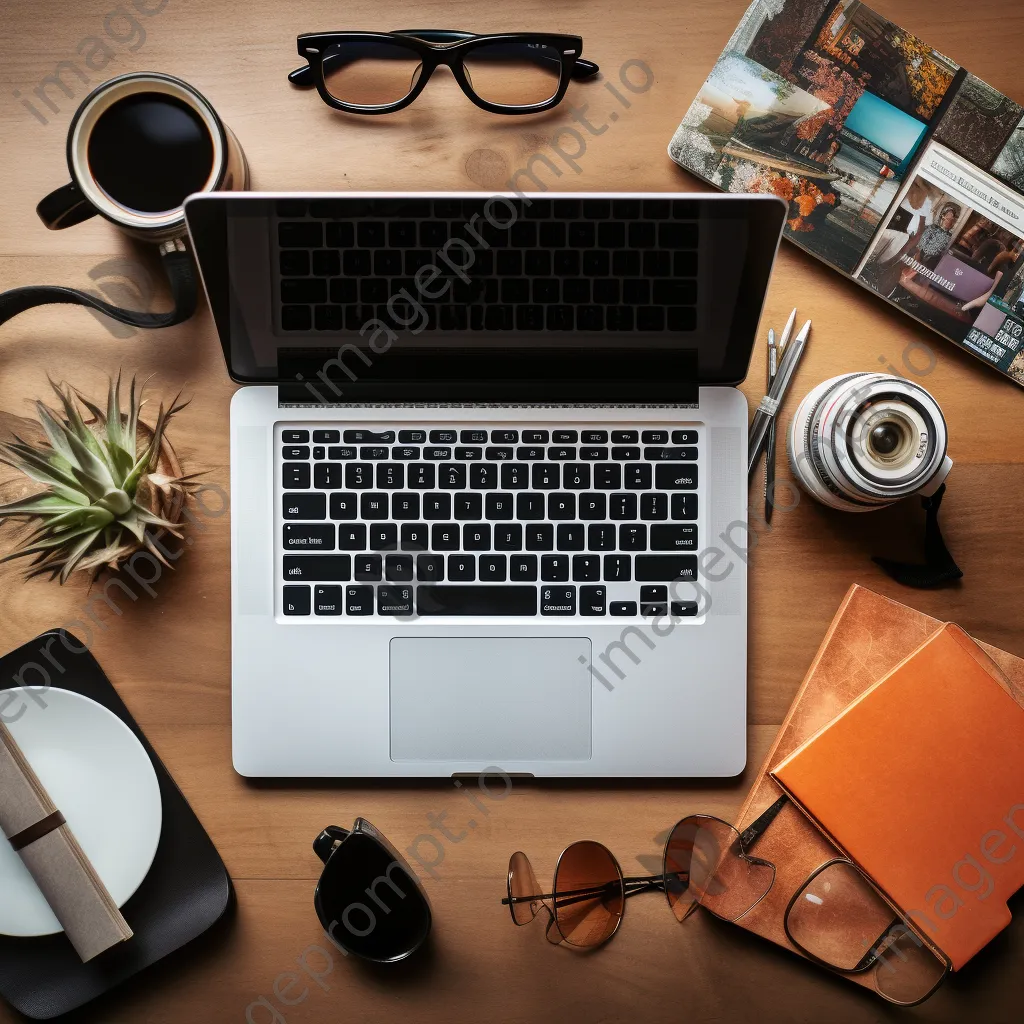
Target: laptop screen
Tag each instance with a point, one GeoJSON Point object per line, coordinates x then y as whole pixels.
{"type": "Point", "coordinates": [478, 296]}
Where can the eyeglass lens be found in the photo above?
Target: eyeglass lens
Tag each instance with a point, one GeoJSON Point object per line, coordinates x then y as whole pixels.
{"type": "Point", "coordinates": [589, 894]}
{"type": "Point", "coordinates": [513, 74]}
{"type": "Point", "coordinates": [840, 919]}
{"type": "Point", "coordinates": [704, 864]}
{"type": "Point", "coordinates": [370, 73]}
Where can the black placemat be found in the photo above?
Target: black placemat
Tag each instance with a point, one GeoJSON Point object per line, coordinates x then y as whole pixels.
{"type": "Point", "coordinates": [186, 891]}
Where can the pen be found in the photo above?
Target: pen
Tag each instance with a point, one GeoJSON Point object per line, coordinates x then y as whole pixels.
{"type": "Point", "coordinates": [769, 460]}
{"type": "Point", "coordinates": [770, 403]}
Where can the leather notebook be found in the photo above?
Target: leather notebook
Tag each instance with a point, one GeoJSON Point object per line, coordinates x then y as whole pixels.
{"type": "Point", "coordinates": [920, 781]}
{"type": "Point", "coordinates": [868, 637]}
{"type": "Point", "coordinates": [185, 893]}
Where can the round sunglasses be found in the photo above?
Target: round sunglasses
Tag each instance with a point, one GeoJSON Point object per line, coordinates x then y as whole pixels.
{"type": "Point", "coordinates": [381, 72]}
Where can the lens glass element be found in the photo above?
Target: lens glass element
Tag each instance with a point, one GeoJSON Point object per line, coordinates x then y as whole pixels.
{"type": "Point", "coordinates": [589, 894]}
{"type": "Point", "coordinates": [370, 73]}
{"type": "Point", "coordinates": [514, 74]}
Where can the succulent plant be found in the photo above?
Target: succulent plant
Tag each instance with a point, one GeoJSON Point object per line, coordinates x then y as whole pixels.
{"type": "Point", "coordinates": [102, 496]}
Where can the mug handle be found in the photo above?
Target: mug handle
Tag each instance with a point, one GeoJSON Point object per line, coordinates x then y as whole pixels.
{"type": "Point", "coordinates": [65, 207]}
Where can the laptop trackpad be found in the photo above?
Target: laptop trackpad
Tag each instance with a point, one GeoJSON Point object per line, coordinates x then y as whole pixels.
{"type": "Point", "coordinates": [490, 700]}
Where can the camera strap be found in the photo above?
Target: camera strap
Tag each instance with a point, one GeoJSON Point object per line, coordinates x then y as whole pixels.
{"type": "Point", "coordinates": [939, 566]}
{"type": "Point", "coordinates": [181, 276]}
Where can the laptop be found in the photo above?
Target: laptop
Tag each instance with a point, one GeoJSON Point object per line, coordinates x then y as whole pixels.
{"type": "Point", "coordinates": [488, 478]}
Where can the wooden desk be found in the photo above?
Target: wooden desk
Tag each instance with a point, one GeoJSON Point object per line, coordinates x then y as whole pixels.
{"type": "Point", "coordinates": [169, 657]}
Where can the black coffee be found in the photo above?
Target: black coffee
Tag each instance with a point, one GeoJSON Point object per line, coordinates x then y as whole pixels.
{"type": "Point", "coordinates": [149, 151]}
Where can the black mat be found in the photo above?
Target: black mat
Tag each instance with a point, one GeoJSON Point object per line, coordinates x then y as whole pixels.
{"type": "Point", "coordinates": [186, 891]}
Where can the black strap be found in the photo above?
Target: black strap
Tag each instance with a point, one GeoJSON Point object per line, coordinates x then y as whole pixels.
{"type": "Point", "coordinates": [939, 567]}
{"type": "Point", "coordinates": [181, 276]}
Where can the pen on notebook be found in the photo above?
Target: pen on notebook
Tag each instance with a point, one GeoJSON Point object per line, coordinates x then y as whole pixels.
{"type": "Point", "coordinates": [770, 403]}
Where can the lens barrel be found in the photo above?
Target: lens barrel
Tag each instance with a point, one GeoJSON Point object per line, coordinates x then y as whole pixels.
{"type": "Point", "coordinates": [864, 440]}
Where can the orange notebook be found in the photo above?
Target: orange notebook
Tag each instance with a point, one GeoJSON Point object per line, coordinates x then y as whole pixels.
{"type": "Point", "coordinates": [920, 781]}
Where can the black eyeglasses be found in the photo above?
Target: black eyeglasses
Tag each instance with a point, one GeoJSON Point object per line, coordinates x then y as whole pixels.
{"type": "Point", "coordinates": [380, 72]}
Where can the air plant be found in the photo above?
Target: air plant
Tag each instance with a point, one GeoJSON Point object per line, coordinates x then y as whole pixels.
{"type": "Point", "coordinates": [103, 493]}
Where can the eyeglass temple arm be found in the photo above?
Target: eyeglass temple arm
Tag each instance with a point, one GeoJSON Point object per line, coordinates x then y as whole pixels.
{"type": "Point", "coordinates": [633, 886]}
{"type": "Point", "coordinates": [757, 828]}
{"type": "Point", "coordinates": [303, 77]}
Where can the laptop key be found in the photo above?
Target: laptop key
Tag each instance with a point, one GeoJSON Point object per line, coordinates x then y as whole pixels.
{"type": "Point", "coordinates": [617, 568]}
{"type": "Point", "coordinates": [570, 537]}
{"type": "Point", "coordinates": [437, 454]}
{"type": "Point", "coordinates": [653, 594]}
{"type": "Point", "coordinates": [593, 600]}
{"type": "Point", "coordinates": [540, 537]}
{"type": "Point", "coordinates": [592, 506]}
{"type": "Point", "coordinates": [593, 454]}
{"type": "Point", "coordinates": [638, 476]}
{"type": "Point", "coordinates": [654, 506]}
{"type": "Point", "coordinates": [493, 568]}
{"type": "Point", "coordinates": [327, 475]}
{"type": "Point", "coordinates": [623, 608]}
{"type": "Point", "coordinates": [595, 437]}
{"type": "Point", "coordinates": [394, 600]}
{"type": "Point", "coordinates": [430, 568]}
{"type": "Point", "coordinates": [535, 437]}
{"type": "Point", "coordinates": [445, 537]}
{"type": "Point", "coordinates": [684, 436]}
{"type": "Point", "coordinates": [529, 506]}
{"type": "Point", "coordinates": [469, 506]}
{"type": "Point", "coordinates": [508, 537]}
{"type": "Point", "coordinates": [326, 436]}
{"type": "Point", "coordinates": [352, 538]}
{"type": "Point", "coordinates": [296, 601]}
{"type": "Point", "coordinates": [461, 568]}
{"type": "Point", "coordinates": [443, 437]}
{"type": "Point", "coordinates": [328, 600]}
{"type": "Point", "coordinates": [562, 453]}
{"type": "Point", "coordinates": [304, 506]}
{"type": "Point", "coordinates": [337, 454]}
{"type": "Point", "coordinates": [561, 506]}
{"type": "Point", "coordinates": [576, 476]}
{"type": "Point", "coordinates": [483, 476]}
{"type": "Point", "coordinates": [546, 476]}
{"type": "Point", "coordinates": [530, 454]}
{"type": "Point", "coordinates": [675, 478]}
{"type": "Point", "coordinates": [632, 537]}
{"type": "Point", "coordinates": [684, 609]}
{"type": "Point", "coordinates": [601, 537]}
{"type": "Point", "coordinates": [421, 475]}
{"type": "Point", "coordinates": [317, 567]}
{"type": "Point", "coordinates": [608, 477]}
{"type": "Point", "coordinates": [682, 537]}
{"type": "Point", "coordinates": [671, 454]}
{"type": "Point", "coordinates": [405, 506]}
{"type": "Point", "coordinates": [684, 506]}
{"type": "Point", "coordinates": [499, 506]}
{"type": "Point", "coordinates": [367, 567]}
{"type": "Point", "coordinates": [522, 568]}
{"type": "Point", "coordinates": [554, 568]}
{"type": "Point", "coordinates": [452, 477]}
{"type": "Point", "coordinates": [654, 437]}
{"type": "Point", "coordinates": [374, 452]}
{"type": "Point", "coordinates": [356, 437]}
{"type": "Point", "coordinates": [476, 600]}
{"type": "Point", "coordinates": [412, 436]}
{"type": "Point", "coordinates": [625, 437]}
{"type": "Point", "coordinates": [358, 476]}
{"type": "Point", "coordinates": [469, 454]}
{"type": "Point", "coordinates": [504, 436]}
{"type": "Point", "coordinates": [586, 568]}
{"type": "Point", "coordinates": [437, 506]}
{"type": "Point", "coordinates": [398, 568]}
{"type": "Point", "coordinates": [359, 600]}
{"type": "Point", "coordinates": [295, 474]}
{"type": "Point", "coordinates": [651, 568]}
{"type": "Point", "coordinates": [498, 454]}
{"type": "Point", "coordinates": [622, 506]}
{"type": "Point", "coordinates": [476, 537]}
{"type": "Point", "coordinates": [384, 537]}
{"type": "Point", "coordinates": [653, 611]}
{"type": "Point", "coordinates": [295, 436]}
{"type": "Point", "coordinates": [374, 506]}
{"type": "Point", "coordinates": [391, 475]}
{"type": "Point", "coordinates": [558, 600]}
{"type": "Point", "coordinates": [414, 537]}
{"type": "Point", "coordinates": [515, 476]}
{"type": "Point", "coordinates": [309, 536]}
{"type": "Point", "coordinates": [626, 454]}
{"type": "Point", "coordinates": [296, 451]}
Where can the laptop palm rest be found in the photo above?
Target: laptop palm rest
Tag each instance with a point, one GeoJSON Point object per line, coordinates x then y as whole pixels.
{"type": "Point", "coordinates": [490, 700]}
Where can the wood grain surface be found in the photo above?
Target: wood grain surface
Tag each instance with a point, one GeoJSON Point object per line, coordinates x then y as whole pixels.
{"type": "Point", "coordinates": [169, 655]}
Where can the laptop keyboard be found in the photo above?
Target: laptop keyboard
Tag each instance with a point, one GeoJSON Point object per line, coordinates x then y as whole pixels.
{"type": "Point", "coordinates": [590, 265]}
{"type": "Point", "coordinates": [442, 520]}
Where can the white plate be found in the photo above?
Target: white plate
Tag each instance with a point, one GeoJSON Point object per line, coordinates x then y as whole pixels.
{"type": "Point", "coordinates": [103, 782]}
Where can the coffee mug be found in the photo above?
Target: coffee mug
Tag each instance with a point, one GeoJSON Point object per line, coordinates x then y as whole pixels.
{"type": "Point", "coordinates": [368, 899]}
{"type": "Point", "coordinates": [137, 147]}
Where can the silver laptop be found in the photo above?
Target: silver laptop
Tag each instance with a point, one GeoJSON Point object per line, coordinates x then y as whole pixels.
{"type": "Point", "coordinates": [488, 478]}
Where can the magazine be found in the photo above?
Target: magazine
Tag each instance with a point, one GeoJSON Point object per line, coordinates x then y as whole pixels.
{"type": "Point", "coordinates": [901, 169]}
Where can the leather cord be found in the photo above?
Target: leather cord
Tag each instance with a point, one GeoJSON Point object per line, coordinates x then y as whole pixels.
{"type": "Point", "coordinates": [181, 276]}
{"type": "Point", "coordinates": [939, 566]}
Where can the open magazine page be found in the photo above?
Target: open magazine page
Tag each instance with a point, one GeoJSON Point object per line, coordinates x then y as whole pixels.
{"type": "Point", "coordinates": [824, 103]}
{"type": "Point", "coordinates": [951, 254]}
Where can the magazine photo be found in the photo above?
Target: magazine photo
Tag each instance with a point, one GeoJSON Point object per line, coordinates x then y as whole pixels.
{"type": "Point", "coordinates": [848, 117]}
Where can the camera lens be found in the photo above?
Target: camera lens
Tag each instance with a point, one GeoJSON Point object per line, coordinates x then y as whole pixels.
{"type": "Point", "coordinates": [885, 438]}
